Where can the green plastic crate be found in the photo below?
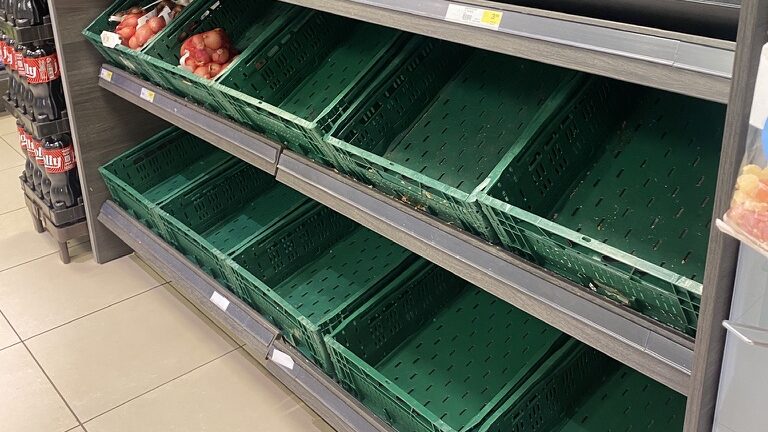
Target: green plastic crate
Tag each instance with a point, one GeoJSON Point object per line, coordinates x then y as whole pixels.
{"type": "Point", "coordinates": [618, 197]}
{"type": "Point", "coordinates": [433, 353]}
{"type": "Point", "coordinates": [431, 133]}
{"type": "Point", "coordinates": [211, 221]}
{"type": "Point", "coordinates": [296, 87]}
{"type": "Point", "coordinates": [122, 56]}
{"type": "Point", "coordinates": [619, 399]}
{"type": "Point", "coordinates": [250, 25]}
{"type": "Point", "coordinates": [157, 170]}
{"type": "Point", "coordinates": [313, 273]}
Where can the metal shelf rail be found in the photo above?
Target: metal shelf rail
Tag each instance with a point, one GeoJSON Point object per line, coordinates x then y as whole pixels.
{"type": "Point", "coordinates": [316, 389]}
{"type": "Point", "coordinates": [682, 63]}
{"type": "Point", "coordinates": [656, 351]}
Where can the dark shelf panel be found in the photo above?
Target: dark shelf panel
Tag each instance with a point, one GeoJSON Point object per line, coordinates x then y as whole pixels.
{"type": "Point", "coordinates": [655, 350]}
{"type": "Point", "coordinates": [679, 62]}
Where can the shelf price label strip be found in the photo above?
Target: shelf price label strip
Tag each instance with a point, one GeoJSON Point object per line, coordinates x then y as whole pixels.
{"type": "Point", "coordinates": [474, 16]}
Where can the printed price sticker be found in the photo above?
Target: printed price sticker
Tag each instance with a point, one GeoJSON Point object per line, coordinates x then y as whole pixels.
{"type": "Point", "coordinates": [282, 359]}
{"type": "Point", "coordinates": [477, 17]}
{"type": "Point", "coordinates": [220, 301]}
{"type": "Point", "coordinates": [106, 75]}
{"type": "Point", "coordinates": [147, 95]}
{"type": "Point", "coordinates": [109, 39]}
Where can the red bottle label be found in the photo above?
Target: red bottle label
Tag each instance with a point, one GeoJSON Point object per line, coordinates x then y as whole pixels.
{"type": "Point", "coordinates": [19, 62]}
{"type": "Point", "coordinates": [22, 138]}
{"type": "Point", "coordinates": [9, 57]}
{"type": "Point", "coordinates": [42, 69]}
{"type": "Point", "coordinates": [3, 45]}
{"type": "Point", "coordinates": [39, 158]}
{"type": "Point", "coordinates": [30, 145]}
{"type": "Point", "coordinates": [59, 160]}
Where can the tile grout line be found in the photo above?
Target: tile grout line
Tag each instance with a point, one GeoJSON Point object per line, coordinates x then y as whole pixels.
{"type": "Point", "coordinates": [163, 384]}
{"type": "Point", "coordinates": [41, 256]}
{"type": "Point", "coordinates": [43, 371]}
{"type": "Point", "coordinates": [94, 311]}
{"type": "Point", "coordinates": [14, 210]}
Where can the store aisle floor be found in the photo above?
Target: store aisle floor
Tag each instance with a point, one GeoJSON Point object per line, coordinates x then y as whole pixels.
{"type": "Point", "coordinates": [114, 347]}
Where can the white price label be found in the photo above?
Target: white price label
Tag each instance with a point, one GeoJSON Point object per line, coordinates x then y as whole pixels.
{"type": "Point", "coordinates": [146, 17]}
{"type": "Point", "coordinates": [220, 301]}
{"type": "Point", "coordinates": [147, 95]}
{"type": "Point", "coordinates": [105, 75]}
{"type": "Point", "coordinates": [477, 17]}
{"type": "Point", "coordinates": [110, 40]}
{"type": "Point", "coordinates": [282, 359]}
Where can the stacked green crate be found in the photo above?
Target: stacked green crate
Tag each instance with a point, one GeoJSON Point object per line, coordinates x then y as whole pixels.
{"type": "Point", "coordinates": [295, 88]}
{"type": "Point", "coordinates": [619, 399]}
{"type": "Point", "coordinates": [157, 170]}
{"type": "Point", "coordinates": [211, 221]}
{"type": "Point", "coordinates": [313, 272]}
{"type": "Point", "coordinates": [431, 132]}
{"type": "Point", "coordinates": [617, 197]}
{"type": "Point", "coordinates": [433, 353]}
{"type": "Point", "coordinates": [250, 25]}
{"type": "Point", "coordinates": [121, 55]}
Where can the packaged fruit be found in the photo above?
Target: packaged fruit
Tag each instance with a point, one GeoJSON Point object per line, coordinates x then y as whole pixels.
{"type": "Point", "coordinates": [137, 25]}
{"type": "Point", "coordinates": [207, 54]}
{"type": "Point", "coordinates": [747, 217]}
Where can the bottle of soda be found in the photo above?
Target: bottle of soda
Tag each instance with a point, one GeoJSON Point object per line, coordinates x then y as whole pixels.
{"type": "Point", "coordinates": [13, 77]}
{"type": "Point", "coordinates": [22, 89]}
{"type": "Point", "coordinates": [23, 143]}
{"type": "Point", "coordinates": [42, 183]}
{"type": "Point", "coordinates": [31, 164]}
{"type": "Point", "coordinates": [30, 12]}
{"type": "Point", "coordinates": [44, 78]}
{"type": "Point", "coordinates": [3, 42]}
{"type": "Point", "coordinates": [61, 167]}
{"type": "Point", "coordinates": [4, 8]}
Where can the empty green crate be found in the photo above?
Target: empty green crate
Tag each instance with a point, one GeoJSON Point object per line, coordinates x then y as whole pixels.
{"type": "Point", "coordinates": [618, 399]}
{"type": "Point", "coordinates": [296, 87]}
{"type": "Point", "coordinates": [250, 25]}
{"type": "Point", "coordinates": [157, 170]}
{"type": "Point", "coordinates": [432, 132]}
{"type": "Point", "coordinates": [209, 222]}
{"type": "Point", "coordinates": [121, 55]}
{"type": "Point", "coordinates": [618, 197]}
{"type": "Point", "coordinates": [313, 273]}
{"type": "Point", "coordinates": [433, 353]}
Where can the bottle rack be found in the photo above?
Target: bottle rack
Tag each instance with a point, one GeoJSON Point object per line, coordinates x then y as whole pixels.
{"type": "Point", "coordinates": [109, 104]}
{"type": "Point", "coordinates": [61, 224]}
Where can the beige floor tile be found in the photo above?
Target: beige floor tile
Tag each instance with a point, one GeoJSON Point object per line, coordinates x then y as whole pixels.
{"type": "Point", "coordinates": [28, 402]}
{"type": "Point", "coordinates": [39, 301]}
{"type": "Point", "coordinates": [10, 158]}
{"type": "Point", "coordinates": [118, 353]}
{"type": "Point", "coordinates": [19, 243]}
{"type": "Point", "coordinates": [10, 139]}
{"type": "Point", "coordinates": [77, 429]}
{"type": "Point", "coordinates": [8, 337]}
{"type": "Point", "coordinates": [11, 195]}
{"type": "Point", "coordinates": [7, 124]}
{"type": "Point", "coordinates": [232, 393]}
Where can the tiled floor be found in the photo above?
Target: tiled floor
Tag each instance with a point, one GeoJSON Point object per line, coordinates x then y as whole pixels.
{"type": "Point", "coordinates": [114, 347]}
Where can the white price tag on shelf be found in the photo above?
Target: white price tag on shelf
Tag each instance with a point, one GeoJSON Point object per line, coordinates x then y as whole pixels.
{"type": "Point", "coordinates": [282, 359]}
{"type": "Point", "coordinates": [220, 301]}
{"type": "Point", "coordinates": [109, 39]}
{"type": "Point", "coordinates": [105, 75]}
{"type": "Point", "coordinates": [477, 17]}
{"type": "Point", "coordinates": [147, 95]}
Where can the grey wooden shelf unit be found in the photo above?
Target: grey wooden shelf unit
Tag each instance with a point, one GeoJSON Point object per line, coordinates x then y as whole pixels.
{"type": "Point", "coordinates": [106, 121]}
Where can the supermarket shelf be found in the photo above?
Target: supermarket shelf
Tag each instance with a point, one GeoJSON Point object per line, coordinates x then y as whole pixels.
{"type": "Point", "coordinates": [656, 351]}
{"type": "Point", "coordinates": [678, 62]}
{"type": "Point", "coordinates": [219, 131]}
{"type": "Point", "coordinates": [317, 390]}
